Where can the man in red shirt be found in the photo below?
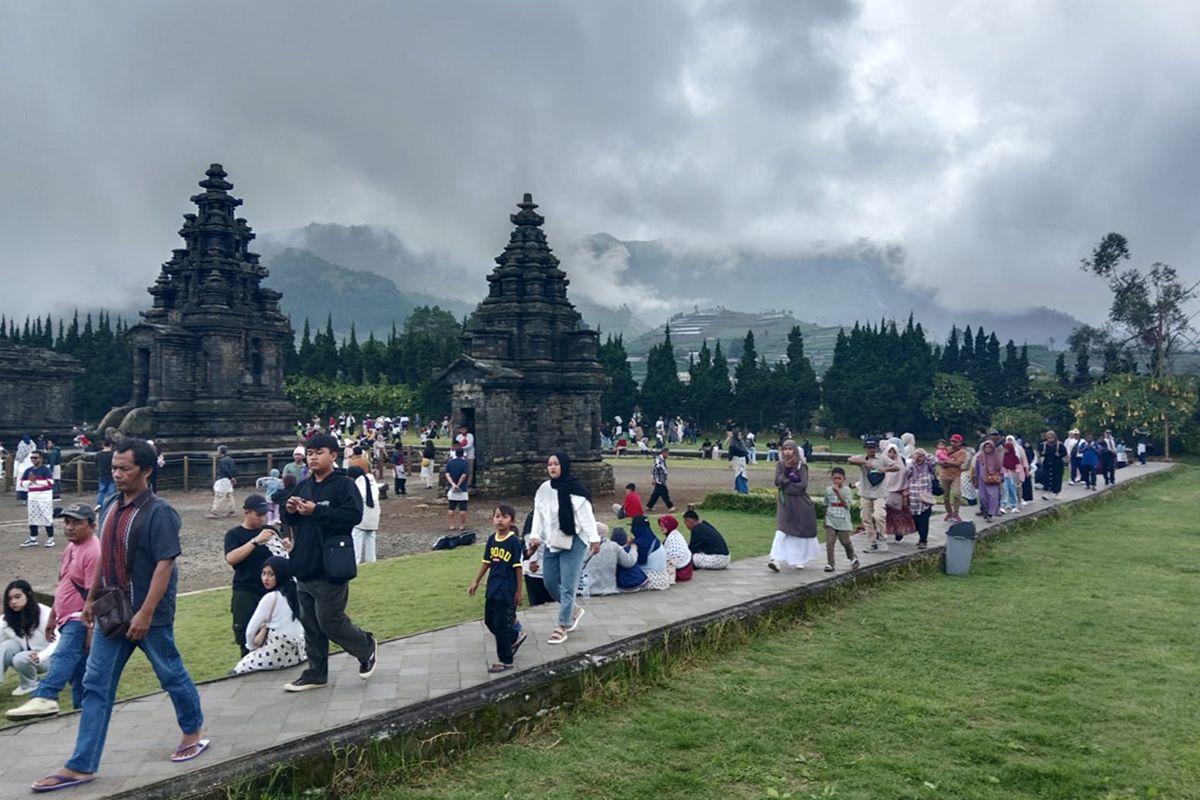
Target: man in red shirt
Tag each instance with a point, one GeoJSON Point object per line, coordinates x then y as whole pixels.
{"type": "Point", "coordinates": [70, 655]}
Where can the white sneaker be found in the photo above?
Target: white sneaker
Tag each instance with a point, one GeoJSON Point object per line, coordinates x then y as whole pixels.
{"type": "Point", "coordinates": [23, 690]}
{"type": "Point", "coordinates": [30, 542]}
{"type": "Point", "coordinates": [33, 708]}
{"type": "Point", "coordinates": [50, 542]}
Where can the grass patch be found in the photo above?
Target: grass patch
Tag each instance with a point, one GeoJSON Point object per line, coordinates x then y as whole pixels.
{"type": "Point", "coordinates": [430, 589]}
{"type": "Point", "coordinates": [1064, 667]}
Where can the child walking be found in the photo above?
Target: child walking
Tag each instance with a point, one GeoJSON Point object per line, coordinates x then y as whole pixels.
{"type": "Point", "coordinates": [837, 519]}
{"type": "Point", "coordinates": [502, 564]}
{"type": "Point", "coordinates": [400, 471]}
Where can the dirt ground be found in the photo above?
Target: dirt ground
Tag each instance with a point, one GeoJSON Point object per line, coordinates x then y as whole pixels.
{"type": "Point", "coordinates": [409, 524]}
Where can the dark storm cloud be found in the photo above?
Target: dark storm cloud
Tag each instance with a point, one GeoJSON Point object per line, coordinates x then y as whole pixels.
{"type": "Point", "coordinates": [993, 144]}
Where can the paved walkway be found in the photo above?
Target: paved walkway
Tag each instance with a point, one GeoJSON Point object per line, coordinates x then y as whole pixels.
{"type": "Point", "coordinates": [252, 712]}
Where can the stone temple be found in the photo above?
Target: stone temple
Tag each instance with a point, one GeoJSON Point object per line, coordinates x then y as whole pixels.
{"type": "Point", "coordinates": [528, 382]}
{"type": "Point", "coordinates": [36, 398]}
{"type": "Point", "coordinates": [208, 355]}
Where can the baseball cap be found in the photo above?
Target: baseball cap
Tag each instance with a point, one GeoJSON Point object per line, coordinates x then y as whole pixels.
{"type": "Point", "coordinates": [256, 503]}
{"type": "Point", "coordinates": [77, 511]}
{"type": "Point", "coordinates": [872, 444]}
{"type": "Point", "coordinates": [956, 438]}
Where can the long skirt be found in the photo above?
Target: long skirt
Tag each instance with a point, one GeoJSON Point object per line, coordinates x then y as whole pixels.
{"type": "Point", "coordinates": [900, 521]}
{"type": "Point", "coordinates": [796, 550]}
{"type": "Point", "coordinates": [40, 508]}
{"type": "Point", "coordinates": [989, 499]}
{"type": "Point", "coordinates": [277, 652]}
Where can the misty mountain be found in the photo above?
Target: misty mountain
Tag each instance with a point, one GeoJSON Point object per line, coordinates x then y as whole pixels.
{"type": "Point", "coordinates": [861, 284]}
{"type": "Point", "coordinates": [315, 288]}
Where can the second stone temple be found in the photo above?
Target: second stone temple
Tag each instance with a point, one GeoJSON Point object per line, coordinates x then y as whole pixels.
{"type": "Point", "coordinates": [528, 383]}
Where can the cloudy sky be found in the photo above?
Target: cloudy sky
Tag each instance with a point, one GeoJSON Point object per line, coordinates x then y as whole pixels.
{"type": "Point", "coordinates": [994, 142]}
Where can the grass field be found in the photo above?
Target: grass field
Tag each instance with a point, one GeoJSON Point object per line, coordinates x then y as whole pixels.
{"type": "Point", "coordinates": [430, 590]}
{"type": "Point", "coordinates": [1064, 667]}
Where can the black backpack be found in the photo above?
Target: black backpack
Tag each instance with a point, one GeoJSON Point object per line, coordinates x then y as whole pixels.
{"type": "Point", "coordinates": [453, 540]}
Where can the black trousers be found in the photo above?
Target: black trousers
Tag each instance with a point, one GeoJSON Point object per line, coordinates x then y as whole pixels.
{"type": "Point", "coordinates": [500, 614]}
{"type": "Point", "coordinates": [660, 491]}
{"type": "Point", "coordinates": [323, 615]}
{"type": "Point", "coordinates": [922, 522]}
{"type": "Point", "coordinates": [401, 485]}
{"type": "Point", "coordinates": [242, 605]}
{"type": "Point", "coordinates": [1087, 475]}
{"type": "Point", "coordinates": [1027, 489]}
{"type": "Point", "coordinates": [1109, 462]}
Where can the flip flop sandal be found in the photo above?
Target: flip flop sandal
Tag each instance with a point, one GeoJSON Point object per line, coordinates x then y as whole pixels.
{"type": "Point", "coordinates": [190, 751]}
{"type": "Point", "coordinates": [60, 782]}
{"type": "Point", "coordinates": [520, 641]}
{"type": "Point", "coordinates": [494, 668]}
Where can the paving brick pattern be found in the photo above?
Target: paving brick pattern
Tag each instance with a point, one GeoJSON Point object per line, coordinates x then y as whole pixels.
{"type": "Point", "coordinates": [238, 721]}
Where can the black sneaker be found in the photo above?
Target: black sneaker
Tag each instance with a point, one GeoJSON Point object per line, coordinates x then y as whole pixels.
{"type": "Point", "coordinates": [366, 668]}
{"type": "Point", "coordinates": [303, 684]}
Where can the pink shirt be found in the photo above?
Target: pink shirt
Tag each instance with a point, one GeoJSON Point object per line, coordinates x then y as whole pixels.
{"type": "Point", "coordinates": [78, 567]}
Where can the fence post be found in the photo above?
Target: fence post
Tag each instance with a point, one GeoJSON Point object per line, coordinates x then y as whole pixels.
{"type": "Point", "coordinates": [186, 466]}
{"type": "Point", "coordinates": [270, 462]}
{"type": "Point", "coordinates": [214, 468]}
{"type": "Point", "coordinates": [79, 476]}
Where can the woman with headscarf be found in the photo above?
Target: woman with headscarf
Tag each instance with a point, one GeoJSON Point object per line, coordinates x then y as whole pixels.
{"type": "Point", "coordinates": [274, 635]}
{"type": "Point", "coordinates": [795, 516]}
{"type": "Point", "coordinates": [908, 447]}
{"type": "Point", "coordinates": [366, 529]}
{"type": "Point", "coordinates": [1014, 476]}
{"type": "Point", "coordinates": [651, 556]}
{"type": "Point", "coordinates": [737, 462]}
{"type": "Point", "coordinates": [22, 462]}
{"type": "Point", "coordinates": [899, 519]}
{"type": "Point", "coordinates": [920, 494]}
{"type": "Point", "coordinates": [564, 521]}
{"type": "Point", "coordinates": [989, 477]}
{"type": "Point", "coordinates": [601, 571]}
{"type": "Point", "coordinates": [630, 578]}
{"type": "Point", "coordinates": [678, 554]}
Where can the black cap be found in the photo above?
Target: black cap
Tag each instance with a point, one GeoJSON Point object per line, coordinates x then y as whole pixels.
{"type": "Point", "coordinates": [257, 503]}
{"type": "Point", "coordinates": [77, 511]}
{"type": "Point", "coordinates": [871, 444]}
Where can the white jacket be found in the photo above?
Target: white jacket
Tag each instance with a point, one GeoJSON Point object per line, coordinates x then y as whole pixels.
{"type": "Point", "coordinates": [545, 519]}
{"type": "Point", "coordinates": [370, 517]}
{"type": "Point", "coordinates": [36, 641]}
{"type": "Point", "coordinates": [274, 612]}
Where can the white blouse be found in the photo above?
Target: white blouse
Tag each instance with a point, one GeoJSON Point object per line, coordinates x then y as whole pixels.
{"type": "Point", "coordinates": [545, 519]}
{"type": "Point", "coordinates": [274, 612]}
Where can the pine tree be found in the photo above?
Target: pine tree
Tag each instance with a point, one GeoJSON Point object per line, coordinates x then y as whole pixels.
{"type": "Point", "coordinates": [622, 394]}
{"type": "Point", "coordinates": [950, 363]}
{"type": "Point", "coordinates": [350, 359]}
{"type": "Point", "coordinates": [662, 391]}
{"type": "Point", "coordinates": [803, 388]}
{"type": "Point", "coordinates": [1060, 369]}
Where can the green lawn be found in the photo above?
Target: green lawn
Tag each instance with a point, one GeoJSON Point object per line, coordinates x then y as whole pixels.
{"type": "Point", "coordinates": [430, 589]}
{"type": "Point", "coordinates": [1064, 667]}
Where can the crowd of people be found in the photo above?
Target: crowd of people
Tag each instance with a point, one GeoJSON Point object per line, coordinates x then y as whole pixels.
{"type": "Point", "coordinates": [307, 527]}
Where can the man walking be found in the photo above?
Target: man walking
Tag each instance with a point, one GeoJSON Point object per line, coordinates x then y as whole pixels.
{"type": "Point", "coordinates": [66, 625]}
{"type": "Point", "coordinates": [139, 543]}
{"type": "Point", "coordinates": [223, 487]}
{"type": "Point", "coordinates": [325, 507]}
{"type": "Point", "coordinates": [38, 481]}
{"type": "Point", "coordinates": [104, 479]}
{"type": "Point", "coordinates": [659, 475]}
{"type": "Point", "coordinates": [951, 477]}
{"type": "Point", "coordinates": [872, 494]}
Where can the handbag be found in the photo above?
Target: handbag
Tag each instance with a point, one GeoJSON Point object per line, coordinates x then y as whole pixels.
{"type": "Point", "coordinates": [895, 501]}
{"type": "Point", "coordinates": [936, 486]}
{"type": "Point", "coordinates": [338, 555]}
{"type": "Point", "coordinates": [993, 479]}
{"type": "Point", "coordinates": [112, 611]}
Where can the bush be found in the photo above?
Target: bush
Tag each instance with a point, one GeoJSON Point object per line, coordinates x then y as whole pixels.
{"type": "Point", "coordinates": [328, 398]}
{"type": "Point", "coordinates": [761, 501]}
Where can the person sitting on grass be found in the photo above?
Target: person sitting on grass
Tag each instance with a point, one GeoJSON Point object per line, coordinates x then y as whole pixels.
{"type": "Point", "coordinates": [24, 645]}
{"type": "Point", "coordinates": [630, 578]}
{"type": "Point", "coordinates": [274, 635]}
{"type": "Point", "coordinates": [502, 564]}
{"type": "Point", "coordinates": [631, 508]}
{"type": "Point", "coordinates": [709, 550]}
{"type": "Point", "coordinates": [652, 558]}
{"type": "Point", "coordinates": [679, 556]}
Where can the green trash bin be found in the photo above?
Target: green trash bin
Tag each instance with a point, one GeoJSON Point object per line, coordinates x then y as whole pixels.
{"type": "Point", "coordinates": [960, 546]}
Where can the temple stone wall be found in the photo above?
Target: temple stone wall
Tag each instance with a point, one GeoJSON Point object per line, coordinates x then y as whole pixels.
{"type": "Point", "coordinates": [36, 392]}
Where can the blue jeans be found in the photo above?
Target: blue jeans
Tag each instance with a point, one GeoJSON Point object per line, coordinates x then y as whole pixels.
{"type": "Point", "coordinates": [104, 666]}
{"type": "Point", "coordinates": [1010, 491]}
{"type": "Point", "coordinates": [741, 484]}
{"type": "Point", "coordinates": [106, 490]}
{"type": "Point", "coordinates": [560, 571]}
{"type": "Point", "coordinates": [67, 665]}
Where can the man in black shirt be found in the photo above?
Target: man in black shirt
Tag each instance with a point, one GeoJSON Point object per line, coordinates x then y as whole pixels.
{"type": "Point", "coordinates": [104, 477]}
{"type": "Point", "coordinates": [708, 547]}
{"type": "Point", "coordinates": [246, 552]}
{"type": "Point", "coordinates": [324, 507]}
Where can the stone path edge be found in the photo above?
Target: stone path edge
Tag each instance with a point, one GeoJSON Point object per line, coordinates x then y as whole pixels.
{"type": "Point", "coordinates": [503, 708]}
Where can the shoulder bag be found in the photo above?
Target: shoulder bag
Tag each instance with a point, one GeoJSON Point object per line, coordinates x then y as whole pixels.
{"type": "Point", "coordinates": [338, 554]}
